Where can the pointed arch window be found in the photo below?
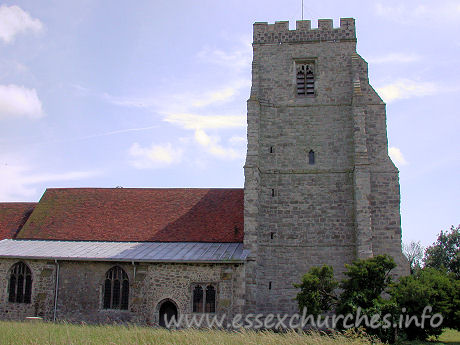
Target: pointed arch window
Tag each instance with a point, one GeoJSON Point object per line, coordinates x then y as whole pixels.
{"type": "Point", "coordinates": [311, 157]}
{"type": "Point", "coordinates": [198, 299]}
{"type": "Point", "coordinates": [305, 78]}
{"type": "Point", "coordinates": [116, 289]}
{"type": "Point", "coordinates": [210, 299]}
{"type": "Point", "coordinates": [20, 284]}
{"type": "Point", "coordinates": [204, 298]}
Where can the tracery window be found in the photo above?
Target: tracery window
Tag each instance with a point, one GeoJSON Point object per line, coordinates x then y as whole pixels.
{"type": "Point", "coordinates": [20, 285]}
{"type": "Point", "coordinates": [305, 78]}
{"type": "Point", "coordinates": [204, 298]}
{"type": "Point", "coordinates": [116, 289]}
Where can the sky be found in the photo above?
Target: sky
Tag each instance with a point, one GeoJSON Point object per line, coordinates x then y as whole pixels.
{"type": "Point", "coordinates": [153, 94]}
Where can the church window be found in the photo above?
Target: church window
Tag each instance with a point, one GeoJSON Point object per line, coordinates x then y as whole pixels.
{"type": "Point", "coordinates": [204, 298]}
{"type": "Point", "coordinates": [305, 79]}
{"type": "Point", "coordinates": [210, 299]}
{"type": "Point", "coordinates": [116, 289]}
{"type": "Point", "coordinates": [198, 299]}
{"type": "Point", "coordinates": [311, 157]}
{"type": "Point", "coordinates": [20, 285]}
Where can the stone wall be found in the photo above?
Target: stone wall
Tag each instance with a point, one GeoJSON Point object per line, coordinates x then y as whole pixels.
{"type": "Point", "coordinates": [299, 215]}
{"type": "Point", "coordinates": [81, 290]}
{"type": "Point", "coordinates": [42, 301]}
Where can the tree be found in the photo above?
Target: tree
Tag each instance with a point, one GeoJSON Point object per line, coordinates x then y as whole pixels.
{"type": "Point", "coordinates": [366, 281]}
{"type": "Point", "coordinates": [428, 287]}
{"type": "Point", "coordinates": [414, 254]}
{"type": "Point", "coordinates": [317, 290]}
{"type": "Point", "coordinates": [444, 254]}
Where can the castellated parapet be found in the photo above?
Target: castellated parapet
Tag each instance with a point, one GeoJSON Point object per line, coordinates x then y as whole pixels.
{"type": "Point", "coordinates": [280, 33]}
{"type": "Point", "coordinates": [320, 187]}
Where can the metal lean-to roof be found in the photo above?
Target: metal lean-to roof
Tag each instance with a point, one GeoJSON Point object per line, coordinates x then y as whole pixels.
{"type": "Point", "coordinates": [187, 252]}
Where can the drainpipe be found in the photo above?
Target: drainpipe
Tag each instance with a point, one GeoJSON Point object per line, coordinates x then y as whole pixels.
{"type": "Point", "coordinates": [134, 265]}
{"type": "Point", "coordinates": [56, 289]}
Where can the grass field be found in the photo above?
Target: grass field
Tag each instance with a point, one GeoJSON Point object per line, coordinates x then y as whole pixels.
{"type": "Point", "coordinates": [68, 334]}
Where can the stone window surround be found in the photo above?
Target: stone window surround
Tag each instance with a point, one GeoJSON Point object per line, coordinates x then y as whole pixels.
{"type": "Point", "coordinates": [204, 286]}
{"type": "Point", "coordinates": [312, 61]}
{"type": "Point", "coordinates": [102, 289]}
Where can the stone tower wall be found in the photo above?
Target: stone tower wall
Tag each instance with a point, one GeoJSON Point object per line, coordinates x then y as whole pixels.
{"type": "Point", "coordinates": [346, 205]}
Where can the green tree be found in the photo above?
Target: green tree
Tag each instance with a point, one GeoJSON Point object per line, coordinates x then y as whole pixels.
{"type": "Point", "coordinates": [444, 254]}
{"type": "Point", "coordinates": [366, 280]}
{"type": "Point", "coordinates": [428, 287]}
{"type": "Point", "coordinates": [362, 288]}
{"type": "Point", "coordinates": [317, 290]}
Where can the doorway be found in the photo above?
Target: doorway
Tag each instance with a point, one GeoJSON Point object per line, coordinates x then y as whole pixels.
{"type": "Point", "coordinates": [167, 310]}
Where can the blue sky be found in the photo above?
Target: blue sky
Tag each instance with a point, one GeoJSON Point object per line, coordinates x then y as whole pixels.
{"type": "Point", "coordinates": [153, 94]}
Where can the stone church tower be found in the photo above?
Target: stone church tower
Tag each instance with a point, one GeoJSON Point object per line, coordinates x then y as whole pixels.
{"type": "Point", "coordinates": [320, 187]}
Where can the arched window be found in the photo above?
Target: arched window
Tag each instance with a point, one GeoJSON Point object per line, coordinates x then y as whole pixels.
{"type": "Point", "coordinates": [311, 157]}
{"type": "Point", "coordinates": [116, 289]}
{"type": "Point", "coordinates": [305, 80]}
{"type": "Point", "coordinates": [198, 299]}
{"type": "Point", "coordinates": [210, 299]}
{"type": "Point", "coordinates": [204, 299]}
{"type": "Point", "coordinates": [20, 289]}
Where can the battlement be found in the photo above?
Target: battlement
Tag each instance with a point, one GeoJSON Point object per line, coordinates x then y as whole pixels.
{"type": "Point", "coordinates": [280, 33]}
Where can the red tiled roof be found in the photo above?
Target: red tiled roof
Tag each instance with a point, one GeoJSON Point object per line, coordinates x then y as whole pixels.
{"type": "Point", "coordinates": [13, 215]}
{"type": "Point", "coordinates": [137, 214]}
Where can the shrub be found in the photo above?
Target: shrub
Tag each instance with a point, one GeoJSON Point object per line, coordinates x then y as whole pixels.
{"type": "Point", "coordinates": [428, 287]}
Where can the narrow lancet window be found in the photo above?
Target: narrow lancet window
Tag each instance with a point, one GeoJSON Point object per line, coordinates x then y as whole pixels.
{"type": "Point", "coordinates": [198, 299]}
{"type": "Point", "coordinates": [210, 299]}
{"type": "Point", "coordinates": [311, 157]}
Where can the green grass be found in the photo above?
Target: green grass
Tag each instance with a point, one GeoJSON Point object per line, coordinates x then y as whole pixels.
{"type": "Point", "coordinates": [67, 334]}
{"type": "Point", "coordinates": [448, 337]}
{"type": "Point", "coordinates": [70, 334]}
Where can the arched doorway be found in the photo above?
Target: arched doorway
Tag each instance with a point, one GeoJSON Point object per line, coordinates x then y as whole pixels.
{"type": "Point", "coordinates": [167, 309]}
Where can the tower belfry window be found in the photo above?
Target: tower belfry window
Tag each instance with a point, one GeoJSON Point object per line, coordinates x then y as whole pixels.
{"type": "Point", "coordinates": [305, 79]}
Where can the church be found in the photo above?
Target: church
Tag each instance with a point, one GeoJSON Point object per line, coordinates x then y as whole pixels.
{"type": "Point", "coordinates": [319, 189]}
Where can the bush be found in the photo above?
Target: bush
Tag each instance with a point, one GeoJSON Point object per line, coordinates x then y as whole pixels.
{"type": "Point", "coordinates": [428, 287]}
{"type": "Point", "coordinates": [317, 290]}
{"type": "Point", "coordinates": [368, 287]}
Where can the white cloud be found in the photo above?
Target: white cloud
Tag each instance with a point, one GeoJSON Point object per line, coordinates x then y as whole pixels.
{"type": "Point", "coordinates": [238, 140]}
{"type": "Point", "coordinates": [212, 146]}
{"type": "Point", "coordinates": [183, 101]}
{"type": "Point", "coordinates": [155, 156]}
{"type": "Point", "coordinates": [193, 121]}
{"type": "Point", "coordinates": [406, 88]}
{"type": "Point", "coordinates": [396, 156]}
{"type": "Point", "coordinates": [446, 12]}
{"type": "Point", "coordinates": [394, 58]}
{"type": "Point", "coordinates": [18, 101]}
{"type": "Point", "coordinates": [237, 59]}
{"type": "Point", "coordinates": [17, 180]}
{"type": "Point", "coordinates": [14, 20]}
{"type": "Point", "coordinates": [215, 97]}
{"type": "Point", "coordinates": [193, 110]}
